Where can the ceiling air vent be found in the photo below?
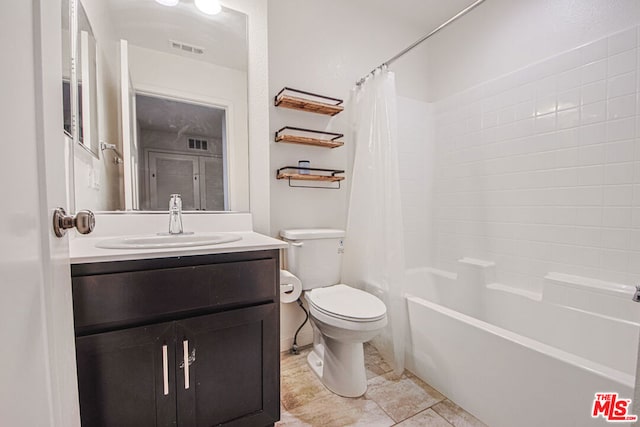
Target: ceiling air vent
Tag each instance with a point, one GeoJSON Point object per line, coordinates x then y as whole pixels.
{"type": "Point", "coordinates": [197, 144]}
{"type": "Point", "coordinates": [186, 47]}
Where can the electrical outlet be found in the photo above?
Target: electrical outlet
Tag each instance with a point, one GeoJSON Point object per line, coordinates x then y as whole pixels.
{"type": "Point", "coordinates": [94, 180]}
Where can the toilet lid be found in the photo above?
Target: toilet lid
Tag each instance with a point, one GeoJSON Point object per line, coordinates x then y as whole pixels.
{"type": "Point", "coordinates": [347, 303]}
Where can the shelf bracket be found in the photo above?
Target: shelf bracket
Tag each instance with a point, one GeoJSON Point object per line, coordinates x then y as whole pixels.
{"type": "Point", "coordinates": [314, 186]}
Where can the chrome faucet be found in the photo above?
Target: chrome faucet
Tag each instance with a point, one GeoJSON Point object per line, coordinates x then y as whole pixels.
{"type": "Point", "coordinates": [636, 296]}
{"type": "Point", "coordinates": [175, 214]}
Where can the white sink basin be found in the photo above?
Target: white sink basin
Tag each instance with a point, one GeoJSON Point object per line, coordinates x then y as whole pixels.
{"type": "Point", "coordinates": [164, 240]}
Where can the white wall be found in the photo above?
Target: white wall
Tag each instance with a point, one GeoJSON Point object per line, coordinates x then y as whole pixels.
{"type": "Point", "coordinates": [97, 179]}
{"type": "Point", "coordinates": [324, 47]}
{"type": "Point", "coordinates": [173, 142]}
{"type": "Point", "coordinates": [539, 170]}
{"type": "Point", "coordinates": [346, 43]}
{"type": "Point", "coordinates": [172, 75]}
{"type": "Point", "coordinates": [500, 36]}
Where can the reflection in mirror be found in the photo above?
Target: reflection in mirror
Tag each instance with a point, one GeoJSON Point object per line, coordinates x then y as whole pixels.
{"type": "Point", "coordinates": [169, 78]}
{"type": "Point", "coordinates": [79, 82]}
{"type": "Point", "coordinates": [87, 92]}
{"type": "Point", "coordinates": [66, 68]}
{"type": "Point", "coordinates": [180, 151]}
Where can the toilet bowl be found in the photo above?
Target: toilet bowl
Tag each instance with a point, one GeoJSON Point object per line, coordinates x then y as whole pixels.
{"type": "Point", "coordinates": [342, 317]}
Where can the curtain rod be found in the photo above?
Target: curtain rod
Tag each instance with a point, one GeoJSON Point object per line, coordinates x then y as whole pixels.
{"type": "Point", "coordinates": [418, 42]}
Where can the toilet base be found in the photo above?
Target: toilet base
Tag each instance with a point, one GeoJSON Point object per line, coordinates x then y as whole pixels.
{"type": "Point", "coordinates": [340, 366]}
{"type": "Point", "coordinates": [315, 363]}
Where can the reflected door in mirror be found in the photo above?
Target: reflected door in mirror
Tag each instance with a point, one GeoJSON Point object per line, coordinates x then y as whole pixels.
{"type": "Point", "coordinates": [198, 179]}
{"type": "Point", "coordinates": [181, 146]}
{"type": "Point", "coordinates": [173, 174]}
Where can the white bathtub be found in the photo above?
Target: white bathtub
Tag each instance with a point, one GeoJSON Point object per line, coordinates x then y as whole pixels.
{"type": "Point", "coordinates": [519, 359]}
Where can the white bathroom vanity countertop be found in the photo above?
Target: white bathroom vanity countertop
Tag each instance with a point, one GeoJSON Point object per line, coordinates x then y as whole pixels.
{"type": "Point", "coordinates": [83, 249]}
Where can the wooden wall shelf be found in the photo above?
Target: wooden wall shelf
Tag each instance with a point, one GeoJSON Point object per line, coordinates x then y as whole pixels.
{"type": "Point", "coordinates": [306, 101]}
{"type": "Point", "coordinates": [325, 175]}
{"type": "Point", "coordinates": [315, 138]}
{"type": "Point", "coordinates": [304, 177]}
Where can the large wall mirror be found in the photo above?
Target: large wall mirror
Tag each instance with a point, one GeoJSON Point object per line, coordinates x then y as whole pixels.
{"type": "Point", "coordinates": [155, 95]}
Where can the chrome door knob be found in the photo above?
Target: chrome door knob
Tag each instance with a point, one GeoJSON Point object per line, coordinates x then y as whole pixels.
{"type": "Point", "coordinates": [84, 221]}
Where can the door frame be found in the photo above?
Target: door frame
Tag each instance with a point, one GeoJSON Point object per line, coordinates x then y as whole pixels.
{"type": "Point", "coordinates": [202, 170]}
{"type": "Point", "coordinates": [127, 110]}
{"type": "Point", "coordinates": [228, 126]}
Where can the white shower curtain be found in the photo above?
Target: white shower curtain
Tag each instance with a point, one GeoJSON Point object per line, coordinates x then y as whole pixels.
{"type": "Point", "coordinates": [374, 244]}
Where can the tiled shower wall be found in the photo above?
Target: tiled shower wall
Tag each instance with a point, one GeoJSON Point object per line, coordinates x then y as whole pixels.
{"type": "Point", "coordinates": [415, 157]}
{"type": "Point", "coordinates": [539, 170]}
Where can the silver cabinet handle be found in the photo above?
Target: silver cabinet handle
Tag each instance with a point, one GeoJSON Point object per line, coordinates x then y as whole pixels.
{"type": "Point", "coordinates": [84, 221]}
{"type": "Point", "coordinates": [185, 361]}
{"type": "Point", "coordinates": [192, 358]}
{"type": "Point", "coordinates": [165, 370]}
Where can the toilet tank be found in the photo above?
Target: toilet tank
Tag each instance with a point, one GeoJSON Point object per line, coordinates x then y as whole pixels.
{"type": "Point", "coordinates": [314, 255]}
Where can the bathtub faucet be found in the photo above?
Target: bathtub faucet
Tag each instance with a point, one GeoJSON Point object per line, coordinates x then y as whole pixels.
{"type": "Point", "coordinates": [636, 296]}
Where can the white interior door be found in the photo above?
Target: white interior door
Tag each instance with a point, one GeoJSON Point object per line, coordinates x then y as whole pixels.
{"type": "Point", "coordinates": [173, 174]}
{"type": "Point", "coordinates": [38, 385]}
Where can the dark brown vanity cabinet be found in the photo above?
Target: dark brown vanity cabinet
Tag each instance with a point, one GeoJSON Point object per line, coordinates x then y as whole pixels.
{"type": "Point", "coordinates": [138, 322]}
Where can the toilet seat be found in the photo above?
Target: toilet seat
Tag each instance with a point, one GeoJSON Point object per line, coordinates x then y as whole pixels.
{"type": "Point", "coordinates": [347, 303]}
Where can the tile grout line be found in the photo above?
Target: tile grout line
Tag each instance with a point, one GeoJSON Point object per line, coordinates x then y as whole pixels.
{"type": "Point", "coordinates": [384, 412]}
{"type": "Point", "coordinates": [424, 410]}
{"type": "Point", "coordinates": [377, 404]}
{"type": "Point", "coordinates": [442, 416]}
{"type": "Point", "coordinates": [416, 413]}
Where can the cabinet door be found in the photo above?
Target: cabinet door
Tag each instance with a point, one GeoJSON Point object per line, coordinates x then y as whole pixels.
{"type": "Point", "coordinates": [234, 376]}
{"type": "Point", "coordinates": [127, 378]}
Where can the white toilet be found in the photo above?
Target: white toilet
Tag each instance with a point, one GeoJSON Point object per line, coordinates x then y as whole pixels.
{"type": "Point", "coordinates": [343, 318]}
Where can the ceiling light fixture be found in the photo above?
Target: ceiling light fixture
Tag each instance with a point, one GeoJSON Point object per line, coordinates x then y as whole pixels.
{"type": "Point", "coordinates": [209, 7]}
{"type": "Point", "coordinates": [168, 2]}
